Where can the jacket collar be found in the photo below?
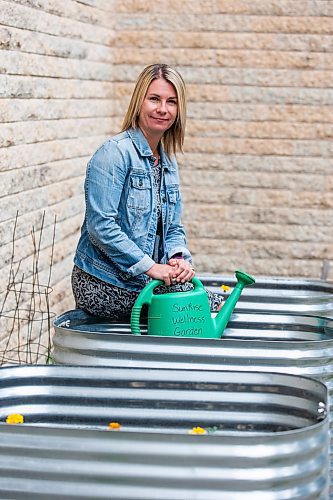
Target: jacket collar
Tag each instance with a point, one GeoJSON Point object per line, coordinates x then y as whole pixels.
{"type": "Point", "coordinates": [141, 144]}
{"type": "Point", "coordinates": [139, 141]}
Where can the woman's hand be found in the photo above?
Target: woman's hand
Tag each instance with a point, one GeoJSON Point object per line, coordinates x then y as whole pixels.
{"type": "Point", "coordinates": [182, 271]}
{"type": "Point", "coordinates": [161, 272]}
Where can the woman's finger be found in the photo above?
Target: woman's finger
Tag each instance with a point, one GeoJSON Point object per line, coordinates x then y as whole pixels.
{"type": "Point", "coordinates": [185, 275]}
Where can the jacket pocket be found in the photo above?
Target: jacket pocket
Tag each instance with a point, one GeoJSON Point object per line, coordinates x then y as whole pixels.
{"type": "Point", "coordinates": [172, 196]}
{"type": "Point", "coordinates": [139, 192]}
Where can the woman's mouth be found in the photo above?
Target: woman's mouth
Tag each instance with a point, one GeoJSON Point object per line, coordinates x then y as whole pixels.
{"type": "Point", "coordinates": [162, 120]}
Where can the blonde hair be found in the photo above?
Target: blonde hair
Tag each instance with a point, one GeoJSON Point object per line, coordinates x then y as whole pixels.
{"type": "Point", "coordinates": [173, 138]}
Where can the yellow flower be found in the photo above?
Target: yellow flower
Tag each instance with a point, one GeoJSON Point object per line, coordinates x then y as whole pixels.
{"type": "Point", "coordinates": [15, 418]}
{"type": "Point", "coordinates": [198, 430]}
{"type": "Point", "coordinates": [225, 288]}
{"type": "Point", "coordinates": [114, 426]}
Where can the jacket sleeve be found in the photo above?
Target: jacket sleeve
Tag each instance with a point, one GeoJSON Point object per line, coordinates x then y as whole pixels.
{"type": "Point", "coordinates": [105, 178]}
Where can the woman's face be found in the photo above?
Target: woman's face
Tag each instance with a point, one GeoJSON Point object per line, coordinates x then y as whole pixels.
{"type": "Point", "coordinates": [159, 108]}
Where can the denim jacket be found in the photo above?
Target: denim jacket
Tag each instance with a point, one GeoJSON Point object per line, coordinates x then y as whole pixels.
{"type": "Point", "coordinates": [119, 229]}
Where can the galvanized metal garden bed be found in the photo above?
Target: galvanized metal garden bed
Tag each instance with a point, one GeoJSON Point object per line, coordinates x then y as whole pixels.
{"type": "Point", "coordinates": [267, 434]}
{"type": "Point", "coordinates": [286, 295]}
{"type": "Point", "coordinates": [252, 342]}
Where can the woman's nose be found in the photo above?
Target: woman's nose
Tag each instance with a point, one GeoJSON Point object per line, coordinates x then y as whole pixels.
{"type": "Point", "coordinates": [161, 108]}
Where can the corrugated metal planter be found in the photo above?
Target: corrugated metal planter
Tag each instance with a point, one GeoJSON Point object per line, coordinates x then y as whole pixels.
{"type": "Point", "coordinates": [260, 342]}
{"type": "Point", "coordinates": [267, 434]}
{"type": "Point", "coordinates": [279, 295]}
{"type": "Point", "coordinates": [300, 345]}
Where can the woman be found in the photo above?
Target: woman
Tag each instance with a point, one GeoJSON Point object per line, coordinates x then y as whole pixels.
{"type": "Point", "coordinates": [132, 231]}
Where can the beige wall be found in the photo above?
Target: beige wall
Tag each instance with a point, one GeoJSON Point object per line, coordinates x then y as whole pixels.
{"type": "Point", "coordinates": [55, 108]}
{"type": "Point", "coordinates": [257, 175]}
{"type": "Point", "coordinates": [257, 170]}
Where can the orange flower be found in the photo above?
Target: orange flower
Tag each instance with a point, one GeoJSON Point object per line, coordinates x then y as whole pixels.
{"type": "Point", "coordinates": [198, 430]}
{"type": "Point", "coordinates": [114, 426]}
{"type": "Point", "coordinates": [15, 418]}
{"type": "Point", "coordinates": [225, 288]}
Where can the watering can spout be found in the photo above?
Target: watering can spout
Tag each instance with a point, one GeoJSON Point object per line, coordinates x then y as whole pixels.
{"type": "Point", "coordinates": [222, 318]}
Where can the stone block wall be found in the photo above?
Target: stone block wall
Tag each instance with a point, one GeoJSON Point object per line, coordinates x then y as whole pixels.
{"type": "Point", "coordinates": [56, 105]}
{"type": "Point", "coordinates": [257, 171]}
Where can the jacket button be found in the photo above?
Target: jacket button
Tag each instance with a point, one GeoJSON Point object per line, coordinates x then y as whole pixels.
{"type": "Point", "coordinates": [164, 199]}
{"type": "Point", "coordinates": [140, 182]}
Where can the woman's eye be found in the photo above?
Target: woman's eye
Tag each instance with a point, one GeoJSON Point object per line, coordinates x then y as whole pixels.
{"type": "Point", "coordinates": [153, 98]}
{"type": "Point", "coordinates": [172, 101]}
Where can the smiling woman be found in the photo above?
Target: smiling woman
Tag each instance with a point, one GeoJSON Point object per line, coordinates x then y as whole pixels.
{"type": "Point", "coordinates": [132, 229]}
{"type": "Point", "coordinates": [158, 112]}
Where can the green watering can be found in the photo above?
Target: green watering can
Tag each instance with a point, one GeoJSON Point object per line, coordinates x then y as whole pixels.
{"type": "Point", "coordinates": [185, 314]}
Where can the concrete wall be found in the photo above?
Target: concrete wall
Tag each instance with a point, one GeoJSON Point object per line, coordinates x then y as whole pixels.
{"type": "Point", "coordinates": [55, 108]}
{"type": "Point", "coordinates": [257, 174]}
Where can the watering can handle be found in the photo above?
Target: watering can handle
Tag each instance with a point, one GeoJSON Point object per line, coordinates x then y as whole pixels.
{"type": "Point", "coordinates": [145, 297]}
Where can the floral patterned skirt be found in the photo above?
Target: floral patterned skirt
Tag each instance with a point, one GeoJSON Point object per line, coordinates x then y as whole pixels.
{"type": "Point", "coordinates": [100, 298]}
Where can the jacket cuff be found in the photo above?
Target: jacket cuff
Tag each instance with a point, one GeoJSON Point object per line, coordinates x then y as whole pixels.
{"type": "Point", "coordinates": [141, 267]}
{"type": "Point", "coordinates": [180, 250]}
